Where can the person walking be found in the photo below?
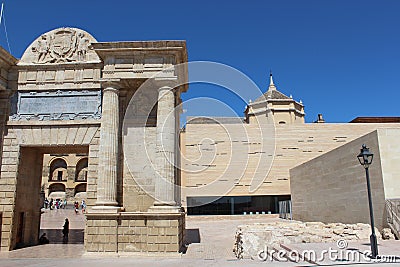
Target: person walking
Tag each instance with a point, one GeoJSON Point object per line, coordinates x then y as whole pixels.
{"type": "Point", "coordinates": [65, 231]}
{"type": "Point", "coordinates": [83, 206]}
{"type": "Point", "coordinates": [65, 204]}
{"type": "Point", "coordinates": [76, 205]}
{"type": "Point", "coordinates": [46, 203]}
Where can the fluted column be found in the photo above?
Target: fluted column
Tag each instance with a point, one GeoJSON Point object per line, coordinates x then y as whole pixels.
{"type": "Point", "coordinates": [108, 154]}
{"type": "Point", "coordinates": [165, 149]}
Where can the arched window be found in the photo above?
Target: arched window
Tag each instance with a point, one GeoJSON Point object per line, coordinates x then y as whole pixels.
{"type": "Point", "coordinates": [58, 170]}
{"type": "Point", "coordinates": [56, 187]}
{"type": "Point", "coordinates": [57, 191]}
{"type": "Point", "coordinates": [81, 170]}
{"type": "Point", "coordinates": [282, 122]}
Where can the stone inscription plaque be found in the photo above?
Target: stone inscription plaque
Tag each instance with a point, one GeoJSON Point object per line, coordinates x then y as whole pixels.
{"type": "Point", "coordinates": [59, 105]}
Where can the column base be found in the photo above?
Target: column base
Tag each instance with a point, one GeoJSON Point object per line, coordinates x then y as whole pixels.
{"type": "Point", "coordinates": [160, 234]}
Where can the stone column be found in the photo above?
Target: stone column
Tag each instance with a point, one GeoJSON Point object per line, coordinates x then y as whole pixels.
{"type": "Point", "coordinates": [165, 151]}
{"type": "Point", "coordinates": [108, 151]}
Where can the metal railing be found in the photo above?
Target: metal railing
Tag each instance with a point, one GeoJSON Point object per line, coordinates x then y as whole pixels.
{"type": "Point", "coordinates": [393, 215]}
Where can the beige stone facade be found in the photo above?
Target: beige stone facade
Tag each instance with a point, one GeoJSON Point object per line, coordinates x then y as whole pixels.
{"type": "Point", "coordinates": [295, 144]}
{"type": "Point", "coordinates": [71, 95]}
{"type": "Point", "coordinates": [231, 157]}
{"type": "Point", "coordinates": [64, 176]}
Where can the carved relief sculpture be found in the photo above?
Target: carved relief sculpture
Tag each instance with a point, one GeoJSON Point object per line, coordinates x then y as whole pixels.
{"type": "Point", "coordinates": [83, 47]}
{"type": "Point", "coordinates": [43, 48]}
{"type": "Point", "coordinates": [64, 45]}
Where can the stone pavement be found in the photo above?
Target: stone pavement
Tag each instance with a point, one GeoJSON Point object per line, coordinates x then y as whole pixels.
{"type": "Point", "coordinates": [210, 240]}
{"type": "Point", "coordinates": [52, 222]}
{"type": "Point", "coordinates": [215, 235]}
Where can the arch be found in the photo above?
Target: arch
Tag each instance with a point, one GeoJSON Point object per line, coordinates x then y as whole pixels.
{"type": "Point", "coordinates": [81, 170]}
{"type": "Point", "coordinates": [58, 170]}
{"type": "Point", "coordinates": [80, 188]}
{"type": "Point", "coordinates": [56, 187]}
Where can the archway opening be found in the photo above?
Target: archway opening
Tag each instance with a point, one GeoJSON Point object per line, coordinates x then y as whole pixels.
{"type": "Point", "coordinates": [58, 170]}
{"type": "Point", "coordinates": [81, 170]}
{"type": "Point", "coordinates": [80, 191]}
{"type": "Point", "coordinates": [31, 219]}
{"type": "Point", "coordinates": [57, 191]}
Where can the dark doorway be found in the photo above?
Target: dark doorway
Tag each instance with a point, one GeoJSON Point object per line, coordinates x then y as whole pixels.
{"type": "Point", "coordinates": [231, 205]}
{"type": "Point", "coordinates": [59, 175]}
{"type": "Point", "coordinates": [20, 230]}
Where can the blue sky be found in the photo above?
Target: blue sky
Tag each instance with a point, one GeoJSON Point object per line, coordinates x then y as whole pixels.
{"type": "Point", "coordinates": [341, 58]}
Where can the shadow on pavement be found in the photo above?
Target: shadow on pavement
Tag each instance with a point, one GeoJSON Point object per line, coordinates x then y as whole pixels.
{"type": "Point", "coordinates": [55, 236]}
{"type": "Point", "coordinates": [192, 236]}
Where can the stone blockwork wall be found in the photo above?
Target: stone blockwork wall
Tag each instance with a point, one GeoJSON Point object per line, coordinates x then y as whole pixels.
{"type": "Point", "coordinates": [295, 144]}
{"type": "Point", "coordinates": [134, 233]}
{"type": "Point", "coordinates": [8, 192]}
{"type": "Point", "coordinates": [332, 187]}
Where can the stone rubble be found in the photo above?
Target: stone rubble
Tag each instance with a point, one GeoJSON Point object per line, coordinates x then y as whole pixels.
{"type": "Point", "coordinates": [387, 234]}
{"type": "Point", "coordinates": [252, 238]}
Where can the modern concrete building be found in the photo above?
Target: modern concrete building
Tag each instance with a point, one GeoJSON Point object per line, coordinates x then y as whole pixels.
{"type": "Point", "coordinates": [242, 165]}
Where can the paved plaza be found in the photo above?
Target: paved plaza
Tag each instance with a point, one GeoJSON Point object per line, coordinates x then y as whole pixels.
{"type": "Point", "coordinates": [210, 240]}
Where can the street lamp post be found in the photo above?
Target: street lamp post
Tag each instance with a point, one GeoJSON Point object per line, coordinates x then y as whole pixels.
{"type": "Point", "coordinates": [365, 158]}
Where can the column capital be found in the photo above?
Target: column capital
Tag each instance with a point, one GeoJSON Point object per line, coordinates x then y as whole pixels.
{"type": "Point", "coordinates": [165, 82]}
{"type": "Point", "coordinates": [110, 84]}
{"type": "Point", "coordinates": [166, 88]}
{"type": "Point", "coordinates": [111, 89]}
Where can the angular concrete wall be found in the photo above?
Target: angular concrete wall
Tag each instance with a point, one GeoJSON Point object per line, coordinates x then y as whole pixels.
{"type": "Point", "coordinates": [389, 148]}
{"type": "Point", "coordinates": [332, 187]}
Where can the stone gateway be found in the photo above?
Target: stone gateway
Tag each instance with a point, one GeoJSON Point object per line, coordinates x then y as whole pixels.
{"type": "Point", "coordinates": [69, 94]}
